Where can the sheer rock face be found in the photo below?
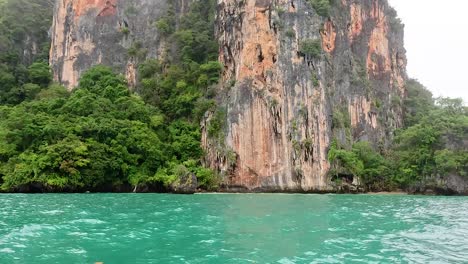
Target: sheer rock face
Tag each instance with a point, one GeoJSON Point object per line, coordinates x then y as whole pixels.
{"type": "Point", "coordinates": [285, 109]}
{"type": "Point", "coordinates": [90, 32]}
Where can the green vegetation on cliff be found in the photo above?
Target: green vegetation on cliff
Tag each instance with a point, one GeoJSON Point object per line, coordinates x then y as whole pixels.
{"type": "Point", "coordinates": [432, 144]}
{"type": "Point", "coordinates": [435, 145]}
{"type": "Point", "coordinates": [99, 136]}
{"type": "Point", "coordinates": [322, 7]}
{"type": "Point", "coordinates": [104, 137]}
{"type": "Point", "coordinates": [24, 39]}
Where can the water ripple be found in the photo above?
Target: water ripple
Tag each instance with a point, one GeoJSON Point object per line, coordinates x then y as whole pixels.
{"type": "Point", "coordinates": [267, 228]}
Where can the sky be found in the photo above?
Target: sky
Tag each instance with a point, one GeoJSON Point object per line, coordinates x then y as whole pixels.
{"type": "Point", "coordinates": [436, 41]}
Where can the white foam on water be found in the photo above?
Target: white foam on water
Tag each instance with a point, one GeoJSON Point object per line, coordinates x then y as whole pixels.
{"type": "Point", "coordinates": [77, 251]}
{"type": "Point", "coordinates": [52, 212]}
{"type": "Point", "coordinates": [88, 221]}
{"type": "Point", "coordinates": [77, 234]}
{"type": "Point", "coordinates": [210, 241]}
{"type": "Point", "coordinates": [285, 261]}
{"type": "Point", "coordinates": [19, 246]}
{"type": "Point", "coordinates": [7, 250]}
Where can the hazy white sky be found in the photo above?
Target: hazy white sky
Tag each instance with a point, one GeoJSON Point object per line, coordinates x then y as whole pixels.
{"type": "Point", "coordinates": [436, 40]}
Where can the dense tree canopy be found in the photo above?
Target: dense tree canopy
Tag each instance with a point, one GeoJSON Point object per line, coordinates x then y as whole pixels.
{"type": "Point", "coordinates": [22, 42]}
{"type": "Point", "coordinates": [432, 144]}
{"type": "Point", "coordinates": [102, 136]}
{"type": "Point", "coordinates": [99, 135]}
{"type": "Point", "coordinates": [436, 144]}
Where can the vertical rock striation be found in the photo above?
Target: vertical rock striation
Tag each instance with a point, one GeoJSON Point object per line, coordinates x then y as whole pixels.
{"type": "Point", "coordinates": [116, 33]}
{"type": "Point", "coordinates": [283, 102]}
{"type": "Point", "coordinates": [286, 107]}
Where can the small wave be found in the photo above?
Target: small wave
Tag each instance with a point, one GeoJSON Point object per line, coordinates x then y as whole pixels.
{"type": "Point", "coordinates": [19, 246]}
{"type": "Point", "coordinates": [32, 230]}
{"type": "Point", "coordinates": [210, 241]}
{"type": "Point", "coordinates": [77, 251]}
{"type": "Point", "coordinates": [285, 261]}
{"type": "Point", "coordinates": [52, 212]}
{"type": "Point", "coordinates": [77, 234]}
{"type": "Point", "coordinates": [88, 221]}
{"type": "Point", "coordinates": [372, 214]}
{"type": "Point", "coordinates": [7, 250]}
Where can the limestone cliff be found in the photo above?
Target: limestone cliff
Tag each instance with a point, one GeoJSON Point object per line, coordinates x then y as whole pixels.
{"type": "Point", "coordinates": [284, 104]}
{"type": "Point", "coordinates": [117, 33]}
{"type": "Point", "coordinates": [294, 80]}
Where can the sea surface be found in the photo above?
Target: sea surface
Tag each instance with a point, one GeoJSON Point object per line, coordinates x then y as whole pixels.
{"type": "Point", "coordinates": [232, 228]}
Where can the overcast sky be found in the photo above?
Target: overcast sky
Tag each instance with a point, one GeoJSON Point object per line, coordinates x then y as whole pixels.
{"type": "Point", "coordinates": [436, 40]}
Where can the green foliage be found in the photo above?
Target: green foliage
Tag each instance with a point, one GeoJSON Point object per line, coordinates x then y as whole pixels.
{"type": "Point", "coordinates": [165, 26]}
{"type": "Point", "coordinates": [311, 48]}
{"type": "Point", "coordinates": [54, 91]}
{"type": "Point", "coordinates": [435, 144]}
{"type": "Point", "coordinates": [360, 76]}
{"type": "Point", "coordinates": [14, 91]}
{"type": "Point", "coordinates": [21, 22]}
{"type": "Point", "coordinates": [344, 161]}
{"type": "Point", "coordinates": [137, 51]}
{"type": "Point", "coordinates": [22, 42]}
{"type": "Point", "coordinates": [376, 171]}
{"type": "Point", "coordinates": [322, 7]}
{"type": "Point", "coordinates": [361, 161]}
{"type": "Point", "coordinates": [341, 118]}
{"type": "Point", "coordinates": [315, 80]}
{"type": "Point", "coordinates": [207, 179]}
{"type": "Point", "coordinates": [290, 33]}
{"type": "Point", "coordinates": [40, 74]}
{"type": "Point", "coordinates": [125, 30]}
{"type": "Point", "coordinates": [217, 124]}
{"type": "Point", "coordinates": [418, 103]}
{"type": "Point", "coordinates": [181, 88]}
{"type": "Point", "coordinates": [100, 135]}
{"type": "Point", "coordinates": [395, 22]}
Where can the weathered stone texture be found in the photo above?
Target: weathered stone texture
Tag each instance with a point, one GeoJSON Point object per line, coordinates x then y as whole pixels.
{"type": "Point", "coordinates": [281, 109]}
{"type": "Point", "coordinates": [90, 32]}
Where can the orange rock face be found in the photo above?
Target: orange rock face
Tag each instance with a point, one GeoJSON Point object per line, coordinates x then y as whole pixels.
{"type": "Point", "coordinates": [360, 112]}
{"type": "Point", "coordinates": [328, 36]}
{"type": "Point", "coordinates": [105, 7]}
{"type": "Point", "coordinates": [357, 18]}
{"type": "Point", "coordinates": [66, 47]}
{"type": "Point", "coordinates": [279, 112]}
{"type": "Point", "coordinates": [89, 32]}
{"type": "Point", "coordinates": [378, 59]}
{"type": "Point", "coordinates": [258, 51]}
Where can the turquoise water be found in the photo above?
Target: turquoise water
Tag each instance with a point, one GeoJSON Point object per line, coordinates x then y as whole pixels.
{"type": "Point", "coordinates": [229, 228]}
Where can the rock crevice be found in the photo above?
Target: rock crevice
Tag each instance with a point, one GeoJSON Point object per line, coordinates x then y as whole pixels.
{"type": "Point", "coordinates": [285, 110]}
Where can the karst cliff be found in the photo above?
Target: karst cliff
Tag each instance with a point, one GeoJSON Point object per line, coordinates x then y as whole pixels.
{"type": "Point", "coordinates": [297, 77]}
{"type": "Point", "coordinates": [116, 33]}
{"type": "Point", "coordinates": [289, 103]}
